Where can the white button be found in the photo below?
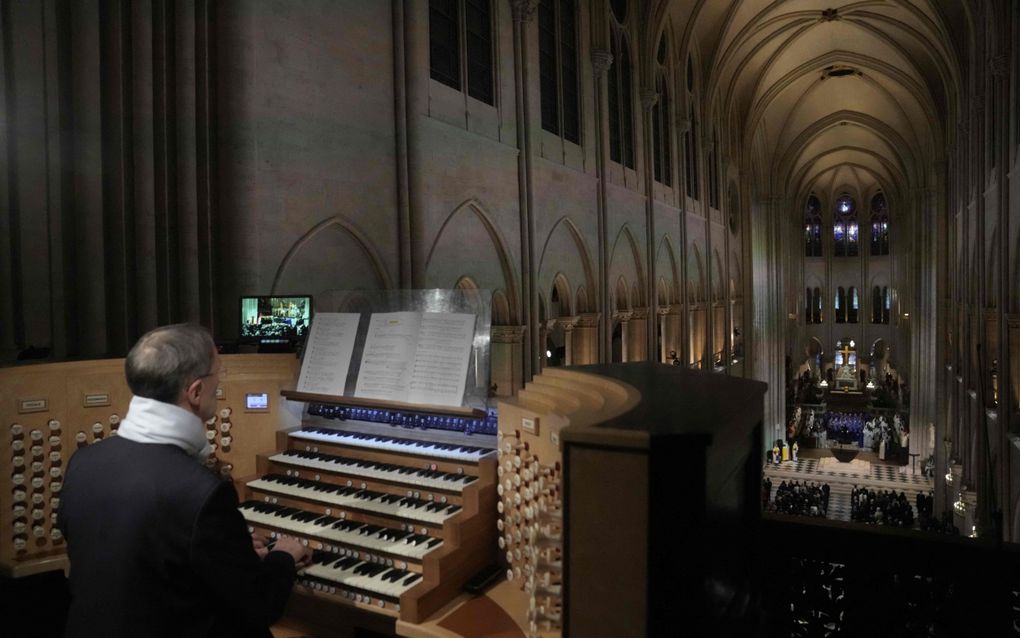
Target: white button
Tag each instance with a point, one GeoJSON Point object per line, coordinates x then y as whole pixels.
{"type": "Point", "coordinates": [54, 425]}
{"type": "Point", "coordinates": [211, 421]}
{"type": "Point", "coordinates": [210, 434]}
{"type": "Point", "coordinates": [19, 495]}
{"type": "Point", "coordinates": [18, 479]}
{"type": "Point", "coordinates": [37, 499]}
{"type": "Point", "coordinates": [39, 531]}
{"type": "Point", "coordinates": [55, 534]}
{"type": "Point", "coordinates": [20, 544]}
{"type": "Point", "coordinates": [18, 446]}
{"type": "Point", "coordinates": [20, 527]}
{"type": "Point", "coordinates": [114, 419]}
{"type": "Point", "coordinates": [54, 502]}
{"type": "Point", "coordinates": [56, 486]}
{"type": "Point", "coordinates": [225, 413]}
{"type": "Point", "coordinates": [97, 428]}
{"type": "Point", "coordinates": [37, 466]}
{"type": "Point", "coordinates": [18, 511]}
{"type": "Point", "coordinates": [113, 432]}
{"type": "Point", "coordinates": [37, 482]}
{"type": "Point", "coordinates": [17, 429]}
{"type": "Point", "coordinates": [38, 515]}
{"type": "Point", "coordinates": [225, 441]}
{"type": "Point", "coordinates": [55, 472]}
{"type": "Point", "coordinates": [18, 461]}
{"type": "Point", "coordinates": [55, 441]}
{"type": "Point", "coordinates": [54, 456]}
{"type": "Point", "coordinates": [81, 437]}
{"type": "Point", "coordinates": [225, 427]}
{"type": "Point", "coordinates": [36, 450]}
{"type": "Point", "coordinates": [36, 435]}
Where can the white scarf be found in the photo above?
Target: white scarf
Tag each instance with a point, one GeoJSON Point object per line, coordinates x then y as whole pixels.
{"type": "Point", "coordinates": [151, 421]}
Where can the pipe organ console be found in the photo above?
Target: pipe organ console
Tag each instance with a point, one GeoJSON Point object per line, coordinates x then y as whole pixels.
{"type": "Point", "coordinates": [398, 505]}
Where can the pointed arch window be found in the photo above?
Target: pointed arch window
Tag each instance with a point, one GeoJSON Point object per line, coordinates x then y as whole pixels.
{"type": "Point", "coordinates": [840, 305]}
{"type": "Point", "coordinates": [853, 305]}
{"type": "Point", "coordinates": [662, 144]}
{"type": "Point", "coordinates": [887, 306]}
{"type": "Point", "coordinates": [557, 65]}
{"type": "Point", "coordinates": [844, 227]}
{"type": "Point", "coordinates": [621, 109]}
{"type": "Point", "coordinates": [879, 225]}
{"type": "Point", "coordinates": [460, 46]}
{"type": "Point", "coordinates": [813, 227]}
{"type": "Point", "coordinates": [690, 140]}
{"type": "Point", "coordinates": [813, 305]}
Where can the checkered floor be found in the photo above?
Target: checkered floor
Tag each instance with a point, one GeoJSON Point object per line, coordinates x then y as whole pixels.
{"type": "Point", "coordinates": [843, 477]}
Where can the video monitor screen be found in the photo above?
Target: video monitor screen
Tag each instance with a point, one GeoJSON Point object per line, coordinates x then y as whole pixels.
{"type": "Point", "coordinates": [275, 319]}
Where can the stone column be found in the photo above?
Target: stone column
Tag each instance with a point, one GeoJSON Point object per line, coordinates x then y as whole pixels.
{"type": "Point", "coordinates": [585, 339]}
{"type": "Point", "coordinates": [600, 62]}
{"type": "Point", "coordinates": [649, 97]}
{"type": "Point", "coordinates": [624, 319]}
{"type": "Point", "coordinates": [567, 324]}
{"type": "Point", "coordinates": [523, 12]}
{"type": "Point", "coordinates": [637, 339]}
{"type": "Point", "coordinates": [506, 359]}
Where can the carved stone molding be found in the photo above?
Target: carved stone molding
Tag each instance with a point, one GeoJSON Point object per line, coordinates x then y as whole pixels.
{"type": "Point", "coordinates": [623, 316]}
{"type": "Point", "coordinates": [587, 320]}
{"type": "Point", "coordinates": [523, 10]}
{"type": "Point", "coordinates": [567, 323]}
{"type": "Point", "coordinates": [648, 98]}
{"type": "Point", "coordinates": [507, 334]}
{"type": "Point", "coordinates": [601, 60]}
{"type": "Point", "coordinates": [640, 313]}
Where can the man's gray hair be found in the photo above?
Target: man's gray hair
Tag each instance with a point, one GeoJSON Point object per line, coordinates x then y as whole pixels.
{"type": "Point", "coordinates": [167, 360]}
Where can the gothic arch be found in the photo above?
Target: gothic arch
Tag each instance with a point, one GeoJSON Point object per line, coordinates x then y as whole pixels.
{"type": "Point", "coordinates": [476, 213]}
{"type": "Point", "coordinates": [616, 263]}
{"type": "Point", "coordinates": [665, 262]}
{"type": "Point", "coordinates": [339, 223]}
{"type": "Point", "coordinates": [583, 254]}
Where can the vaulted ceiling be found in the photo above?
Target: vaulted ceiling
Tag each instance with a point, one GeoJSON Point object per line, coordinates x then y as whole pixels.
{"type": "Point", "coordinates": [833, 94]}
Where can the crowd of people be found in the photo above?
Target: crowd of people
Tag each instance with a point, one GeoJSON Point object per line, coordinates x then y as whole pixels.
{"type": "Point", "coordinates": [802, 499]}
{"type": "Point", "coordinates": [927, 520]}
{"type": "Point", "coordinates": [882, 507]}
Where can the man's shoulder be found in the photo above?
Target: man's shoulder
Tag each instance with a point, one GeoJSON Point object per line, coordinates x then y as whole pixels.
{"type": "Point", "coordinates": [139, 459]}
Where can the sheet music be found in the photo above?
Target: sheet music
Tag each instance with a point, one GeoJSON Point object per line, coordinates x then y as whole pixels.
{"type": "Point", "coordinates": [327, 356]}
{"type": "Point", "coordinates": [389, 355]}
{"type": "Point", "coordinates": [441, 359]}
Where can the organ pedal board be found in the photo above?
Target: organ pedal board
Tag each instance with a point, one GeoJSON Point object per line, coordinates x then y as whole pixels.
{"type": "Point", "coordinates": [398, 518]}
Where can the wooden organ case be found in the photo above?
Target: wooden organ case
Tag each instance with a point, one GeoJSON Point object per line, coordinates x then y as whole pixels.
{"type": "Point", "coordinates": [628, 493]}
{"type": "Point", "coordinates": [398, 503]}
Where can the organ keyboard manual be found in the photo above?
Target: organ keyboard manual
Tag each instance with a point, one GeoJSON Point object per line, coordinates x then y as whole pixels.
{"type": "Point", "coordinates": [391, 476]}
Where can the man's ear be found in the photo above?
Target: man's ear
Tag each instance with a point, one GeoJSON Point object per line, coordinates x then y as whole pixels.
{"type": "Point", "coordinates": [193, 393]}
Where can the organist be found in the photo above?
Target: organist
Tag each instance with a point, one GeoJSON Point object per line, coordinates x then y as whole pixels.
{"type": "Point", "coordinates": [156, 544]}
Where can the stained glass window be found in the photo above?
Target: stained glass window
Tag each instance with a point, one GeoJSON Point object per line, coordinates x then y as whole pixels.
{"type": "Point", "coordinates": [844, 228]}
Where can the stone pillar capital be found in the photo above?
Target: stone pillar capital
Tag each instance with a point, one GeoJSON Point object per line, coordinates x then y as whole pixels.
{"type": "Point", "coordinates": [601, 60]}
{"type": "Point", "coordinates": [507, 334]}
{"type": "Point", "coordinates": [649, 97]}
{"type": "Point", "coordinates": [639, 313]}
{"type": "Point", "coordinates": [523, 10]}
{"type": "Point", "coordinates": [587, 320]}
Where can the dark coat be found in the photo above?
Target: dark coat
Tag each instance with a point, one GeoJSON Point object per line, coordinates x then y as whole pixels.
{"type": "Point", "coordinates": [158, 548]}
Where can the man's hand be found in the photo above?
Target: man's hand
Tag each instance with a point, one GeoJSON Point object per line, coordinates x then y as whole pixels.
{"type": "Point", "coordinates": [301, 554]}
{"type": "Point", "coordinates": [258, 541]}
